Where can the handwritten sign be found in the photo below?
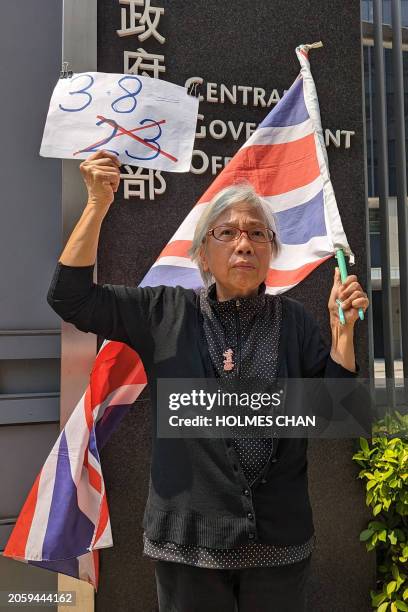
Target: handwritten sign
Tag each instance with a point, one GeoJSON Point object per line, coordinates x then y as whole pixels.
{"type": "Point", "coordinates": [145, 122]}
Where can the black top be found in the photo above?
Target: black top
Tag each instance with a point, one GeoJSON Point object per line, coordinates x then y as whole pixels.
{"type": "Point", "coordinates": [252, 342]}
{"type": "Point", "coordinates": [198, 490]}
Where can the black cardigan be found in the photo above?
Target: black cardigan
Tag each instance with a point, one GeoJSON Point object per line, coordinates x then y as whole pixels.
{"type": "Point", "coordinates": [198, 494]}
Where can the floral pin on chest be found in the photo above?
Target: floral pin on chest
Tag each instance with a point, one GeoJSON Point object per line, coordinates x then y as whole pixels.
{"type": "Point", "coordinates": [228, 362]}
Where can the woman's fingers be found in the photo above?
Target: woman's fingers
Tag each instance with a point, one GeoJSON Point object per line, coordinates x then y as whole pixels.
{"type": "Point", "coordinates": [351, 278]}
{"type": "Point", "coordinates": [101, 155]}
{"type": "Point", "coordinates": [360, 303]}
{"type": "Point", "coordinates": [350, 293]}
{"type": "Point", "coordinates": [106, 168]}
{"type": "Point", "coordinates": [345, 292]}
{"type": "Point", "coordinates": [102, 176]}
{"type": "Point", "coordinates": [356, 296]}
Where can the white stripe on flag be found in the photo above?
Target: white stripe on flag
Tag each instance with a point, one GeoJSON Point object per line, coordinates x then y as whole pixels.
{"type": "Point", "coordinates": [174, 260]}
{"type": "Point", "coordinates": [295, 255]}
{"type": "Point", "coordinates": [89, 499]}
{"type": "Point", "coordinates": [277, 290]}
{"type": "Point", "coordinates": [125, 394]}
{"type": "Point", "coordinates": [77, 445]}
{"type": "Point", "coordinates": [186, 229]}
{"type": "Point", "coordinates": [35, 540]}
{"type": "Point", "coordinates": [105, 540]}
{"type": "Point", "coordinates": [279, 135]}
{"type": "Point", "coordinates": [296, 197]}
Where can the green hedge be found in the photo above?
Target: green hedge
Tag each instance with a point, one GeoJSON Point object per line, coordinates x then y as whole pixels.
{"type": "Point", "coordinates": [385, 471]}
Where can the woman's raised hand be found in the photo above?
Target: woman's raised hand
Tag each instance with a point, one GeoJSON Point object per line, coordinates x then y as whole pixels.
{"type": "Point", "coordinates": [351, 295]}
{"type": "Point", "coordinates": [101, 174]}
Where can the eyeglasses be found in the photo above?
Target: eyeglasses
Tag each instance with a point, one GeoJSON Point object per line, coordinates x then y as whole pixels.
{"type": "Point", "coordinates": [226, 233]}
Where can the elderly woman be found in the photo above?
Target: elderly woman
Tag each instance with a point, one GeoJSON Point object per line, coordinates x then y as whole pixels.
{"type": "Point", "coordinates": [227, 521]}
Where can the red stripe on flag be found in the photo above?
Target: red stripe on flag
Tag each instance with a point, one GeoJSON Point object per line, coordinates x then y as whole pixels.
{"type": "Point", "coordinates": [94, 478]}
{"type": "Point", "coordinates": [88, 408]}
{"type": "Point", "coordinates": [177, 248]}
{"type": "Point", "coordinates": [284, 278]}
{"type": "Point", "coordinates": [17, 541]}
{"type": "Point", "coordinates": [103, 518]}
{"type": "Point", "coordinates": [271, 169]}
{"type": "Point", "coordinates": [116, 365]}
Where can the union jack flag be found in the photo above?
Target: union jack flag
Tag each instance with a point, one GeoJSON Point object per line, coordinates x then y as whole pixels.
{"type": "Point", "coordinates": [65, 519]}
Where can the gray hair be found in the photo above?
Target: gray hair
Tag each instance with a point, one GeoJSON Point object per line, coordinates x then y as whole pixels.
{"type": "Point", "coordinates": [224, 199]}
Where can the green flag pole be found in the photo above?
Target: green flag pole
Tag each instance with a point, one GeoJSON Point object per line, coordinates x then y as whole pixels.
{"type": "Point", "coordinates": [341, 260]}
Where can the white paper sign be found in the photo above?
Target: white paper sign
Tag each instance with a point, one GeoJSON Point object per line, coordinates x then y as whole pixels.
{"type": "Point", "coordinates": [145, 122]}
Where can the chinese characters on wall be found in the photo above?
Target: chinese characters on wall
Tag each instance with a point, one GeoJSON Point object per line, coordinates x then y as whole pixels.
{"type": "Point", "coordinates": [140, 19]}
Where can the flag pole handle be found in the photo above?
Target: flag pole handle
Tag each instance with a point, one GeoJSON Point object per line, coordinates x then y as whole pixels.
{"type": "Point", "coordinates": [341, 260]}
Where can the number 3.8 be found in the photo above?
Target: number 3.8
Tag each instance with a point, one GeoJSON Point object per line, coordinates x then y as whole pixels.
{"type": "Point", "coordinates": [131, 95]}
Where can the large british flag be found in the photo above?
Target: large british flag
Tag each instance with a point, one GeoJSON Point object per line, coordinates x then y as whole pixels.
{"type": "Point", "coordinates": [65, 519]}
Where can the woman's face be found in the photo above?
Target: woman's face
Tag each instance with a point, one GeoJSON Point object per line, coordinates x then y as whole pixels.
{"type": "Point", "coordinates": [240, 266]}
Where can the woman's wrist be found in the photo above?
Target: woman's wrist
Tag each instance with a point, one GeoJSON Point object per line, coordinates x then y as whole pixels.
{"type": "Point", "coordinates": [82, 245]}
{"type": "Point", "coordinates": [95, 208]}
{"type": "Point", "coordinates": [342, 348]}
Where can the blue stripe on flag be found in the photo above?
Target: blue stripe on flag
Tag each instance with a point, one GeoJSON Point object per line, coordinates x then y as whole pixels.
{"type": "Point", "coordinates": [299, 224]}
{"type": "Point", "coordinates": [109, 422]}
{"type": "Point", "coordinates": [69, 567]}
{"type": "Point", "coordinates": [92, 445]}
{"type": "Point", "coordinates": [290, 110]}
{"type": "Point", "coordinates": [171, 276]}
{"type": "Point", "coordinates": [69, 530]}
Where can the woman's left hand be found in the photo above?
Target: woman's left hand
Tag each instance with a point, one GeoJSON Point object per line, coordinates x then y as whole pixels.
{"type": "Point", "coordinates": [352, 296]}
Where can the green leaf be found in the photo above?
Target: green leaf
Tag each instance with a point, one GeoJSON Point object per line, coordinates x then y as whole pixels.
{"type": "Point", "coordinates": [392, 538]}
{"type": "Point", "coordinates": [383, 606]}
{"type": "Point", "coordinates": [400, 535]}
{"type": "Point", "coordinates": [391, 586]}
{"type": "Point", "coordinates": [386, 502]}
{"type": "Point", "coordinates": [382, 535]}
{"type": "Point", "coordinates": [399, 582]}
{"type": "Point", "coordinates": [377, 509]}
{"type": "Point", "coordinates": [400, 605]}
{"type": "Point", "coordinates": [395, 572]}
{"type": "Point", "coordinates": [366, 535]}
{"type": "Point", "coordinates": [370, 497]}
{"type": "Point", "coordinates": [387, 473]}
{"type": "Point", "coordinates": [405, 594]}
{"type": "Point", "coordinates": [378, 599]}
{"type": "Point", "coordinates": [371, 484]}
{"type": "Point", "coordinates": [364, 445]}
{"type": "Point", "coordinates": [376, 525]}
